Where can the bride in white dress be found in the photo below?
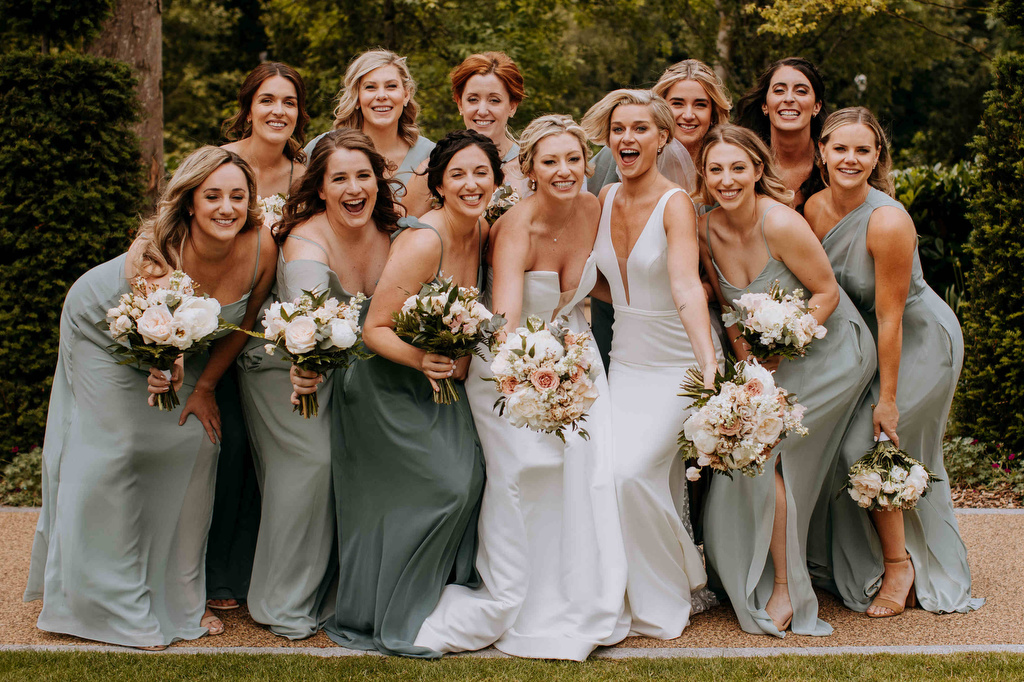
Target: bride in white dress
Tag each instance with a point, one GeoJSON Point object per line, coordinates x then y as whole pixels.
{"type": "Point", "coordinates": [647, 249]}
{"type": "Point", "coordinates": [551, 554]}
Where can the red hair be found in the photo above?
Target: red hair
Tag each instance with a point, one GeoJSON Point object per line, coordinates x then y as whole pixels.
{"type": "Point", "coordinates": [486, 63]}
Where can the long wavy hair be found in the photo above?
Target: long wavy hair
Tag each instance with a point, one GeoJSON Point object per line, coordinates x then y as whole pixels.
{"type": "Point", "coordinates": [239, 126]}
{"type": "Point", "coordinates": [696, 70]}
{"type": "Point", "coordinates": [305, 202]}
{"type": "Point", "coordinates": [769, 184]}
{"type": "Point", "coordinates": [158, 244]}
{"type": "Point", "coordinates": [881, 175]}
{"type": "Point", "coordinates": [348, 115]}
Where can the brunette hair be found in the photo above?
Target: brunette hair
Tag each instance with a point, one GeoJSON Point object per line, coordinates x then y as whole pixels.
{"type": "Point", "coordinates": [748, 109]}
{"type": "Point", "coordinates": [546, 126]}
{"type": "Point", "coordinates": [880, 178]}
{"type": "Point", "coordinates": [305, 202]}
{"type": "Point", "coordinates": [482, 64]}
{"type": "Point", "coordinates": [158, 244]}
{"type": "Point", "coordinates": [450, 145]}
{"type": "Point", "coordinates": [239, 126]}
{"type": "Point", "coordinates": [769, 184]}
{"type": "Point", "coordinates": [348, 114]}
{"type": "Point", "coordinates": [597, 121]}
{"type": "Point", "coordinates": [696, 70]}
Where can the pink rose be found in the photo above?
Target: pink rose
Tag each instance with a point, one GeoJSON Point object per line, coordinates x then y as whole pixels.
{"type": "Point", "coordinates": [730, 430]}
{"type": "Point", "coordinates": [507, 385]}
{"type": "Point", "coordinates": [754, 387]}
{"type": "Point", "coordinates": [570, 338]}
{"type": "Point", "coordinates": [544, 379]}
{"type": "Point", "coordinates": [576, 374]}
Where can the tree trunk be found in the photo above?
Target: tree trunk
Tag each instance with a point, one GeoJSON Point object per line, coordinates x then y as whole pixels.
{"type": "Point", "coordinates": [723, 41]}
{"type": "Point", "coordinates": [133, 34]}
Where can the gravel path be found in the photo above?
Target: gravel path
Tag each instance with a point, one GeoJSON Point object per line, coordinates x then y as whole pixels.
{"type": "Point", "coordinates": [994, 543]}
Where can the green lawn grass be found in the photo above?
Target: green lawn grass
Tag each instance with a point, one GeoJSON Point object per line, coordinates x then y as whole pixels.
{"type": "Point", "coordinates": [89, 667]}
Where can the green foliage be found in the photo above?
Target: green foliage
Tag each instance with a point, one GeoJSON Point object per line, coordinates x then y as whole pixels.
{"type": "Point", "coordinates": [973, 464]}
{"type": "Point", "coordinates": [21, 482]}
{"type": "Point", "coordinates": [70, 187]}
{"type": "Point", "coordinates": [55, 22]}
{"type": "Point", "coordinates": [990, 402]}
{"type": "Point", "coordinates": [1011, 12]}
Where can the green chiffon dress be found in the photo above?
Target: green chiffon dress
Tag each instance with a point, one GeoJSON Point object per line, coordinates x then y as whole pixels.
{"type": "Point", "coordinates": [408, 476]}
{"type": "Point", "coordinates": [930, 363]}
{"type": "Point", "coordinates": [119, 550]}
{"type": "Point", "coordinates": [295, 564]}
{"type": "Point", "coordinates": [829, 382]}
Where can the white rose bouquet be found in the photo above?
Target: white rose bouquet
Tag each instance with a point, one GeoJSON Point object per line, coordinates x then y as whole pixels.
{"type": "Point", "coordinates": [504, 198]}
{"type": "Point", "coordinates": [774, 323]}
{"type": "Point", "coordinates": [273, 209]}
{"type": "Point", "coordinates": [153, 325]}
{"type": "Point", "coordinates": [887, 478]}
{"type": "Point", "coordinates": [545, 375]}
{"type": "Point", "coordinates": [314, 332]}
{"type": "Point", "coordinates": [447, 320]}
{"type": "Point", "coordinates": [735, 425]}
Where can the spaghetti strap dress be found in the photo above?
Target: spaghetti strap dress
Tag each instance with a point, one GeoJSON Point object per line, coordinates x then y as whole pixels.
{"type": "Point", "coordinates": [829, 382]}
{"type": "Point", "coordinates": [119, 550]}
{"type": "Point", "coordinates": [408, 476]}
{"type": "Point", "coordinates": [295, 566]}
{"type": "Point", "coordinates": [930, 363]}
{"type": "Point", "coordinates": [650, 354]}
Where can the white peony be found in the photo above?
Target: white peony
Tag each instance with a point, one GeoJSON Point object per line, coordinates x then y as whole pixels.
{"type": "Point", "coordinates": [198, 317]}
{"type": "Point", "coordinates": [300, 335]}
{"type": "Point", "coordinates": [155, 324]}
{"type": "Point", "coordinates": [753, 370]}
{"type": "Point", "coordinates": [341, 334]}
{"type": "Point", "coordinates": [545, 345]}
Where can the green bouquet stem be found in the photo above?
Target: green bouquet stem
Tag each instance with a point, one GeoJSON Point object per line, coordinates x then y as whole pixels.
{"type": "Point", "coordinates": [309, 405]}
{"type": "Point", "coordinates": [446, 393]}
{"type": "Point", "coordinates": [168, 400]}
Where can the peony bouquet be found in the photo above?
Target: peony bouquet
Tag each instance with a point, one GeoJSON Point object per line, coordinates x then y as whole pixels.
{"type": "Point", "coordinates": [887, 478]}
{"type": "Point", "coordinates": [447, 320]}
{"type": "Point", "coordinates": [774, 323]}
{"type": "Point", "coordinates": [735, 425]}
{"type": "Point", "coordinates": [273, 209]}
{"type": "Point", "coordinates": [545, 374]}
{"type": "Point", "coordinates": [504, 198]}
{"type": "Point", "coordinates": [314, 332]}
{"type": "Point", "coordinates": [160, 323]}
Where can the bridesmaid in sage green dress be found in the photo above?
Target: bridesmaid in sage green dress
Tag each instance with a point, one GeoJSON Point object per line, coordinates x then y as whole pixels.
{"type": "Point", "coordinates": [410, 472]}
{"type": "Point", "coordinates": [872, 243]}
{"type": "Point", "coordinates": [335, 236]}
{"type": "Point", "coordinates": [119, 549]}
{"type": "Point", "coordinates": [751, 240]}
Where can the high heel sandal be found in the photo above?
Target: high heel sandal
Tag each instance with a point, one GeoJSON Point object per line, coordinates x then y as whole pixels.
{"type": "Point", "coordinates": [896, 609]}
{"type": "Point", "coordinates": [785, 625]}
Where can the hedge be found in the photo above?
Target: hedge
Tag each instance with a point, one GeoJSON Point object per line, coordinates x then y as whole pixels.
{"type": "Point", "coordinates": [990, 402]}
{"type": "Point", "coordinates": [70, 191]}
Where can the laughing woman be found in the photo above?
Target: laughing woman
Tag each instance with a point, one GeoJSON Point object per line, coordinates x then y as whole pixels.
{"type": "Point", "coordinates": [750, 241]}
{"type": "Point", "coordinates": [647, 249]}
{"type": "Point", "coordinates": [410, 471]}
{"type": "Point", "coordinates": [890, 555]}
{"type": "Point", "coordinates": [127, 493]}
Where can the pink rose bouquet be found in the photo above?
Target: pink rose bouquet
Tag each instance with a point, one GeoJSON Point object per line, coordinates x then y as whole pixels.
{"type": "Point", "coordinates": [774, 323]}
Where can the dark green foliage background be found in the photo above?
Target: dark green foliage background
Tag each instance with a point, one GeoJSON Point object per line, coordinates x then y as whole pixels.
{"type": "Point", "coordinates": [70, 194]}
{"type": "Point", "coordinates": [990, 402]}
{"type": "Point", "coordinates": [57, 21]}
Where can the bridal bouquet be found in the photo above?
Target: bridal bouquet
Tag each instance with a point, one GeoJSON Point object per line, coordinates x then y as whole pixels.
{"type": "Point", "coordinates": [545, 374]}
{"type": "Point", "coordinates": [159, 323]}
{"type": "Point", "coordinates": [887, 478]}
{"type": "Point", "coordinates": [447, 320]}
{"type": "Point", "coordinates": [273, 209]}
{"type": "Point", "coordinates": [774, 323]}
{"type": "Point", "coordinates": [735, 425]}
{"type": "Point", "coordinates": [504, 198]}
{"type": "Point", "coordinates": [314, 332]}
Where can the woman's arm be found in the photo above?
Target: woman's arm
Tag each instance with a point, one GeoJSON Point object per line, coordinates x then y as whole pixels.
{"type": "Point", "coordinates": [792, 241]}
{"type": "Point", "coordinates": [891, 241]}
{"type": "Point", "coordinates": [509, 262]}
{"type": "Point", "coordinates": [418, 200]}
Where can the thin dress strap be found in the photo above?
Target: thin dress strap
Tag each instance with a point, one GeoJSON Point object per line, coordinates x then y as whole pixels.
{"type": "Point", "coordinates": [707, 232]}
{"type": "Point", "coordinates": [763, 216]}
{"type": "Point", "coordinates": [416, 223]}
{"type": "Point", "coordinates": [309, 241]}
{"type": "Point", "coordinates": [259, 247]}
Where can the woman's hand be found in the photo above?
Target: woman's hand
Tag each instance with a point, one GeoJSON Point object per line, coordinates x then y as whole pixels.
{"type": "Point", "coordinates": [886, 417]}
{"type": "Point", "coordinates": [304, 382]}
{"type": "Point", "coordinates": [772, 363]}
{"type": "Point", "coordinates": [437, 367]}
{"type": "Point", "coordinates": [709, 373]}
{"type": "Point", "coordinates": [462, 368]}
{"type": "Point", "coordinates": [159, 383]}
{"type": "Point", "coordinates": [203, 404]}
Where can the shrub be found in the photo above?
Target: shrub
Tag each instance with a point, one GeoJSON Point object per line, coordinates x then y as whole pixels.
{"type": "Point", "coordinates": [70, 189]}
{"type": "Point", "coordinates": [56, 22]}
{"type": "Point", "coordinates": [972, 464]}
{"type": "Point", "coordinates": [21, 483]}
{"type": "Point", "coordinates": [990, 402]}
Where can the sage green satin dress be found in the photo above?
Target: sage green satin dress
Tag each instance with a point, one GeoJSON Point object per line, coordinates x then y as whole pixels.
{"type": "Point", "coordinates": [408, 476]}
{"type": "Point", "coordinates": [829, 382]}
{"type": "Point", "coordinates": [119, 550]}
{"type": "Point", "coordinates": [930, 363]}
{"type": "Point", "coordinates": [296, 563]}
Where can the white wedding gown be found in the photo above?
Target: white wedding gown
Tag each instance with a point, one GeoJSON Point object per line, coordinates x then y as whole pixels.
{"type": "Point", "coordinates": [650, 354]}
{"type": "Point", "coordinates": [551, 554]}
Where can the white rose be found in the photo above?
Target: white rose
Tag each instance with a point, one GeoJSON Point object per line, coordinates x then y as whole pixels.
{"type": "Point", "coordinates": [867, 483]}
{"type": "Point", "coordinates": [545, 345]}
{"type": "Point", "coordinates": [341, 334]}
{"type": "Point", "coordinates": [119, 326]}
{"type": "Point", "coordinates": [769, 430]}
{"type": "Point", "coordinates": [155, 324]}
{"type": "Point", "coordinates": [300, 335]}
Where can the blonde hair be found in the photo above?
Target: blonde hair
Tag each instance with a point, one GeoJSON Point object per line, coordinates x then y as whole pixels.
{"type": "Point", "coordinates": [881, 177]}
{"type": "Point", "coordinates": [769, 184]}
{"type": "Point", "coordinates": [348, 115]}
{"type": "Point", "coordinates": [158, 244]}
{"type": "Point", "coordinates": [696, 70]}
{"type": "Point", "coordinates": [546, 126]}
{"type": "Point", "coordinates": [597, 120]}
